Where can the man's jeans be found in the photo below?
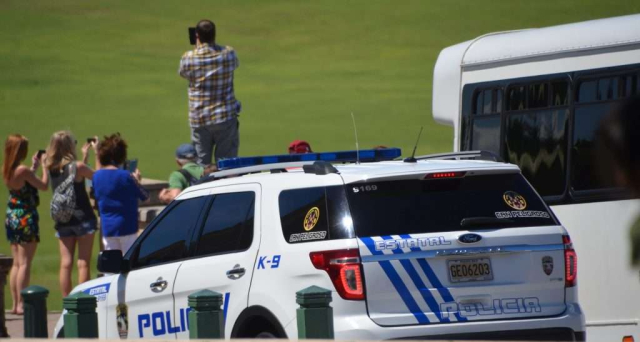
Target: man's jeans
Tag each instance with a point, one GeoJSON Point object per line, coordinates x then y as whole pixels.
{"type": "Point", "coordinates": [224, 136]}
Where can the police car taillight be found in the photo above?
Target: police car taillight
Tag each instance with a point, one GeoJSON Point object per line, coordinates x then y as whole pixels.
{"type": "Point", "coordinates": [570, 262]}
{"type": "Point", "coordinates": [344, 269]}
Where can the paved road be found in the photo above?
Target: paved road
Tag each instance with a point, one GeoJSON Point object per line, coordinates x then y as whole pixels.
{"type": "Point", "coordinates": [15, 324]}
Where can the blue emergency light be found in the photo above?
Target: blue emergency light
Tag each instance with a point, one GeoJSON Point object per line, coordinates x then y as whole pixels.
{"type": "Point", "coordinates": [337, 157]}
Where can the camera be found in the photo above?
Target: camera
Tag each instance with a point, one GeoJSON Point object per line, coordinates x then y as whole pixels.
{"type": "Point", "coordinates": [192, 35]}
{"type": "Point", "coordinates": [91, 140]}
{"type": "Point", "coordinates": [40, 153]}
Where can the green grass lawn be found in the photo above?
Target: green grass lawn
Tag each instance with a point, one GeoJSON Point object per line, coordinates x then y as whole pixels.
{"type": "Point", "coordinates": [98, 67]}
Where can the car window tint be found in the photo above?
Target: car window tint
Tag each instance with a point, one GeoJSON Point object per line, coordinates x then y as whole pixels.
{"type": "Point", "coordinates": [229, 226]}
{"type": "Point", "coordinates": [303, 213]}
{"type": "Point", "coordinates": [439, 205]}
{"type": "Point", "coordinates": [314, 214]}
{"type": "Point", "coordinates": [167, 240]}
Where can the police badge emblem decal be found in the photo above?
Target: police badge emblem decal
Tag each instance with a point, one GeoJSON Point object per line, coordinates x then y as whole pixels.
{"type": "Point", "coordinates": [547, 265]}
{"type": "Point", "coordinates": [514, 200]}
{"type": "Point", "coordinates": [311, 219]}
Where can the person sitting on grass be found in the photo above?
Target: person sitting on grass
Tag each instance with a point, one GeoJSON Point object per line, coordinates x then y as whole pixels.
{"type": "Point", "coordinates": [188, 174]}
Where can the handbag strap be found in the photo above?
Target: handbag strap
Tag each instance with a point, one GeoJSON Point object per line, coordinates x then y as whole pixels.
{"type": "Point", "coordinates": [70, 179]}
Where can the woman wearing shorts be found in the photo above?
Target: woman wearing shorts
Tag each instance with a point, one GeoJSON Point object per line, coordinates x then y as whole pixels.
{"type": "Point", "coordinates": [21, 223]}
{"type": "Point", "coordinates": [117, 192]}
{"type": "Point", "coordinates": [79, 230]}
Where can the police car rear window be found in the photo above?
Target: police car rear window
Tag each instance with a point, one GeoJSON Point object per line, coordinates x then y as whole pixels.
{"type": "Point", "coordinates": [443, 205]}
{"type": "Point", "coordinates": [315, 214]}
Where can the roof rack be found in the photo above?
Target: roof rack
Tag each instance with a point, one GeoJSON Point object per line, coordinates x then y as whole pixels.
{"type": "Point", "coordinates": [478, 155]}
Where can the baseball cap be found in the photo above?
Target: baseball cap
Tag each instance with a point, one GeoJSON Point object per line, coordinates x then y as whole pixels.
{"type": "Point", "coordinates": [186, 151]}
{"type": "Point", "coordinates": [299, 146]}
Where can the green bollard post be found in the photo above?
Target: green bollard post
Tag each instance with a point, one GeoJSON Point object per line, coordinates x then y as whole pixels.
{"type": "Point", "coordinates": [315, 316]}
{"type": "Point", "coordinates": [81, 319]}
{"type": "Point", "coordinates": [34, 298]}
{"type": "Point", "coordinates": [206, 319]}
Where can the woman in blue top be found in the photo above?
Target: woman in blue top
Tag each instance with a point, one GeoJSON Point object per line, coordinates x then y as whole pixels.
{"type": "Point", "coordinates": [117, 192]}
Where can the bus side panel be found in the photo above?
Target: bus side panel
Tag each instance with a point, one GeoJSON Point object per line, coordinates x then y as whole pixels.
{"type": "Point", "coordinates": [608, 285]}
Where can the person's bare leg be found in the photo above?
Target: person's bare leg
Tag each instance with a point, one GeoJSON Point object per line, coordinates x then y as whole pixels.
{"type": "Point", "coordinates": [67, 249]}
{"type": "Point", "coordinates": [13, 279]}
{"type": "Point", "coordinates": [85, 247]}
{"type": "Point", "coordinates": [25, 257]}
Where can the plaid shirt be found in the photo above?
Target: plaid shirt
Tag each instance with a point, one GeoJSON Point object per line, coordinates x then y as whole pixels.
{"type": "Point", "coordinates": [209, 70]}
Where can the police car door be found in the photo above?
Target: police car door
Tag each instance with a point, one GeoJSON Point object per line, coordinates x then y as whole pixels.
{"type": "Point", "coordinates": [225, 253]}
{"type": "Point", "coordinates": [144, 308]}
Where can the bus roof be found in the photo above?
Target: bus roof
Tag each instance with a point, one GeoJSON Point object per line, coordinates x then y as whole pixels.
{"type": "Point", "coordinates": [514, 47]}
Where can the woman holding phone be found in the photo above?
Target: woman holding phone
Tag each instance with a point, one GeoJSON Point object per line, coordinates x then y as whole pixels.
{"type": "Point", "coordinates": [21, 223]}
{"type": "Point", "coordinates": [117, 192]}
{"type": "Point", "coordinates": [78, 229]}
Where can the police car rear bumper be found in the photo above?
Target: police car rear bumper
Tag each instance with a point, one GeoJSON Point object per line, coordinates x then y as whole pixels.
{"type": "Point", "coordinates": [351, 323]}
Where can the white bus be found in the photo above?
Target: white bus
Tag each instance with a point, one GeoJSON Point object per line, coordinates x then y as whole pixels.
{"type": "Point", "coordinates": [535, 97]}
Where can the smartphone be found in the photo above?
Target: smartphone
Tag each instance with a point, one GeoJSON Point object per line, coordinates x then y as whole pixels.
{"type": "Point", "coordinates": [192, 35]}
{"type": "Point", "coordinates": [40, 153]}
{"type": "Point", "coordinates": [91, 140]}
{"type": "Point", "coordinates": [132, 165]}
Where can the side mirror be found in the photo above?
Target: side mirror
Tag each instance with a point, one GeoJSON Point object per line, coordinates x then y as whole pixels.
{"type": "Point", "coordinates": [111, 262]}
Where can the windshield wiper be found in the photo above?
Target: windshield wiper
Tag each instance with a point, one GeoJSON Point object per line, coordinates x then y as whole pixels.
{"type": "Point", "coordinates": [484, 221]}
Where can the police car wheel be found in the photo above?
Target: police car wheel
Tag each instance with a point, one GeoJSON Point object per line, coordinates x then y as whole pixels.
{"type": "Point", "coordinates": [266, 334]}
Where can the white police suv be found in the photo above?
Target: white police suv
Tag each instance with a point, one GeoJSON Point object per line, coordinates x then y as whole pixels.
{"type": "Point", "coordinates": [433, 248]}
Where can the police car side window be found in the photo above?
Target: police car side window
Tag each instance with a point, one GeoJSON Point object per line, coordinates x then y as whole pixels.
{"type": "Point", "coordinates": [167, 241]}
{"type": "Point", "coordinates": [229, 225]}
{"type": "Point", "coordinates": [314, 214]}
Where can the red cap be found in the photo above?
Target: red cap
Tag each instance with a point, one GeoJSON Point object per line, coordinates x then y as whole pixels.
{"type": "Point", "coordinates": [299, 146]}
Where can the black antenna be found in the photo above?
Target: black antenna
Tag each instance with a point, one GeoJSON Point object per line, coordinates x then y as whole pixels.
{"type": "Point", "coordinates": [412, 159]}
{"type": "Point", "coordinates": [356, 132]}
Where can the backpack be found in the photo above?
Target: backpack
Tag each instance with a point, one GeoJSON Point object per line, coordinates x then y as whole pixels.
{"type": "Point", "coordinates": [63, 202]}
{"type": "Point", "coordinates": [189, 177]}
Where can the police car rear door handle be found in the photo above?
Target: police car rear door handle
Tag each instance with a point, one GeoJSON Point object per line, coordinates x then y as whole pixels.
{"type": "Point", "coordinates": [236, 272]}
{"type": "Point", "coordinates": [159, 285]}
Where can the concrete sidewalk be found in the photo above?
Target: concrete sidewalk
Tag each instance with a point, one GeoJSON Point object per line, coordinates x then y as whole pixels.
{"type": "Point", "coordinates": [15, 323]}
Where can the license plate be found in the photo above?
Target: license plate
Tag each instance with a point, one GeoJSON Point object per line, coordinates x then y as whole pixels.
{"type": "Point", "coordinates": [464, 270]}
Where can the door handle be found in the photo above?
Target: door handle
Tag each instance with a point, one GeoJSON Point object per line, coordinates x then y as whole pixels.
{"type": "Point", "coordinates": [236, 272]}
{"type": "Point", "coordinates": [158, 285]}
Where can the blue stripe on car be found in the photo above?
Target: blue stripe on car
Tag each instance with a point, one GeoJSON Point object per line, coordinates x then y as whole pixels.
{"type": "Point", "coordinates": [417, 281]}
{"type": "Point", "coordinates": [397, 283]}
{"type": "Point", "coordinates": [433, 279]}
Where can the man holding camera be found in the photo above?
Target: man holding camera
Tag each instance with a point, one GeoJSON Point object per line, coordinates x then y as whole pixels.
{"type": "Point", "coordinates": [213, 107]}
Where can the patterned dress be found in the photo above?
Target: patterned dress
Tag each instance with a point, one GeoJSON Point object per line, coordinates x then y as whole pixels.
{"type": "Point", "coordinates": [22, 219]}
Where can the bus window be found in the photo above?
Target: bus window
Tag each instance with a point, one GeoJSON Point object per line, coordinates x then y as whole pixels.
{"type": "Point", "coordinates": [537, 142]}
{"type": "Point", "coordinates": [537, 96]}
{"type": "Point", "coordinates": [628, 85]}
{"type": "Point", "coordinates": [487, 94]}
{"type": "Point", "coordinates": [587, 91]}
{"type": "Point", "coordinates": [559, 94]}
{"type": "Point", "coordinates": [477, 109]}
{"type": "Point", "coordinates": [498, 100]}
{"type": "Point", "coordinates": [584, 175]}
{"type": "Point", "coordinates": [605, 89]}
{"type": "Point", "coordinates": [486, 134]}
{"type": "Point", "coordinates": [516, 98]}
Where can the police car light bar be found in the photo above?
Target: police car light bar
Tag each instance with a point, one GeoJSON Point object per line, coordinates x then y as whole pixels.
{"type": "Point", "coordinates": [334, 157]}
